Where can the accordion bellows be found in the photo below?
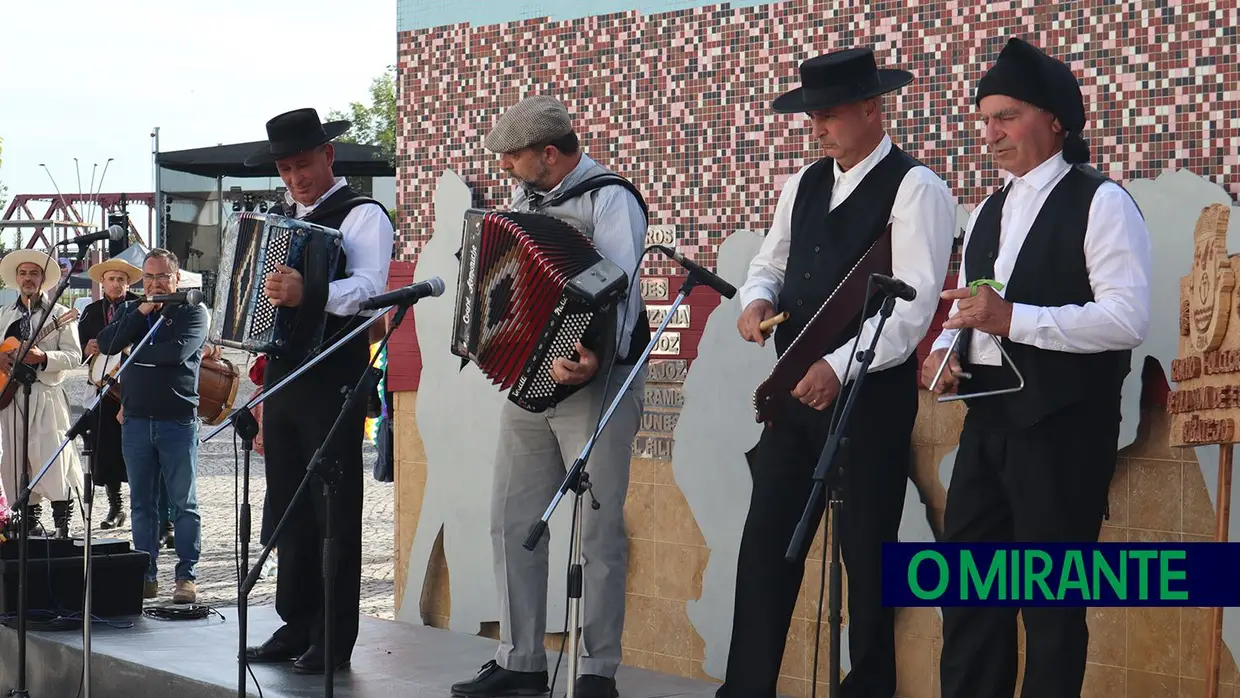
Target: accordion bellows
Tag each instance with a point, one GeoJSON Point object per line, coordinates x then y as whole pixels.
{"type": "Point", "coordinates": [253, 244]}
{"type": "Point", "coordinates": [530, 287]}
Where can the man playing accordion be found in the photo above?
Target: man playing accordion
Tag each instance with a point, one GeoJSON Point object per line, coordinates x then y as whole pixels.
{"type": "Point", "coordinates": [298, 418]}
{"type": "Point", "coordinates": [538, 147]}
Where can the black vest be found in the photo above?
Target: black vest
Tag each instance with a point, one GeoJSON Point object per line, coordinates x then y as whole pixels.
{"type": "Point", "coordinates": [1050, 271]}
{"type": "Point", "coordinates": [825, 244]}
{"type": "Point", "coordinates": [331, 213]}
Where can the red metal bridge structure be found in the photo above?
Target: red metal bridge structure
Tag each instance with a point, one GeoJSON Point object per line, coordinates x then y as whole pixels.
{"type": "Point", "coordinates": [64, 213]}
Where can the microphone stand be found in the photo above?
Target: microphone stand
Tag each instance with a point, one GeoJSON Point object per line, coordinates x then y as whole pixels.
{"type": "Point", "coordinates": [247, 428]}
{"type": "Point", "coordinates": [835, 443]}
{"type": "Point", "coordinates": [579, 482]}
{"type": "Point", "coordinates": [26, 376]}
{"type": "Point", "coordinates": [319, 465]}
{"type": "Point", "coordinates": [74, 431]}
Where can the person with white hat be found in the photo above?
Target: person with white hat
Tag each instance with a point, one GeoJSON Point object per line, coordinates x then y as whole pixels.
{"type": "Point", "coordinates": [114, 277]}
{"type": "Point", "coordinates": [56, 352]}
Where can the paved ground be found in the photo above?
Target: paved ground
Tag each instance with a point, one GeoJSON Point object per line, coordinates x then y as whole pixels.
{"type": "Point", "coordinates": [219, 487]}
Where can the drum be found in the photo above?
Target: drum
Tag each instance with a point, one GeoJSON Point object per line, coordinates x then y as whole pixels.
{"type": "Point", "coordinates": [218, 380]}
{"type": "Point", "coordinates": [102, 367]}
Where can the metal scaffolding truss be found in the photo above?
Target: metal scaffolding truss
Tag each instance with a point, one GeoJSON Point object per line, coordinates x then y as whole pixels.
{"type": "Point", "coordinates": [64, 213]}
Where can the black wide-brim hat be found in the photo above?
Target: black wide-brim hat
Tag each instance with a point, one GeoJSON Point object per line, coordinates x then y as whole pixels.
{"type": "Point", "coordinates": [841, 77]}
{"type": "Point", "coordinates": [295, 132]}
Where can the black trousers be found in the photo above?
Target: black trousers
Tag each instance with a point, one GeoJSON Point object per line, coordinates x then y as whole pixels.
{"type": "Point", "coordinates": [296, 421]}
{"type": "Point", "coordinates": [1048, 482]}
{"type": "Point", "coordinates": [108, 464]}
{"type": "Point", "coordinates": [873, 485]}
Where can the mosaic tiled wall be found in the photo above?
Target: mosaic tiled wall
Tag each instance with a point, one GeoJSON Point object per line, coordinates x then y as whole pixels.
{"type": "Point", "coordinates": [679, 101]}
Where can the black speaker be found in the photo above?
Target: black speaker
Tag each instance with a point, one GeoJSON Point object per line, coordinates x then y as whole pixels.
{"type": "Point", "coordinates": [54, 576]}
{"type": "Point", "coordinates": [115, 247]}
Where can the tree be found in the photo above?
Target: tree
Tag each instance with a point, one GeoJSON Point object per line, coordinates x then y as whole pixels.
{"type": "Point", "coordinates": [374, 124]}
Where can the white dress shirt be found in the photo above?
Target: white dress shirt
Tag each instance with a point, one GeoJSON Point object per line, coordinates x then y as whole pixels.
{"type": "Point", "coordinates": [923, 225]}
{"type": "Point", "coordinates": [368, 241]}
{"type": "Point", "coordinates": [1117, 256]}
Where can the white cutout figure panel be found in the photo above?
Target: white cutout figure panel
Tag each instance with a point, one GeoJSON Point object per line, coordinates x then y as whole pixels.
{"type": "Point", "coordinates": [458, 419]}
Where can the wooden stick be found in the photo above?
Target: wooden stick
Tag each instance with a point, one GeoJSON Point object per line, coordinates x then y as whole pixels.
{"type": "Point", "coordinates": [767, 324]}
{"type": "Point", "coordinates": [1222, 517]}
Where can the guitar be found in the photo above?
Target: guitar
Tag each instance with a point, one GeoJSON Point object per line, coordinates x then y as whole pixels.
{"type": "Point", "coordinates": [8, 388]}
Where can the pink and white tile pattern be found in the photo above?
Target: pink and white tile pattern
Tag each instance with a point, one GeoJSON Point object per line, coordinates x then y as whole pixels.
{"type": "Point", "coordinates": [679, 101]}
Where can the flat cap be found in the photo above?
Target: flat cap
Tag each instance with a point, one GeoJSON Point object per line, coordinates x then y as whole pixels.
{"type": "Point", "coordinates": [531, 121]}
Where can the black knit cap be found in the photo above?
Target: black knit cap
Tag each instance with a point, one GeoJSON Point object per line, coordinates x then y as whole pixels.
{"type": "Point", "coordinates": [1023, 71]}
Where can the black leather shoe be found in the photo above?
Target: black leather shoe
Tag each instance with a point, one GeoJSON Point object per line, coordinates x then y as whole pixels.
{"type": "Point", "coordinates": [494, 680]}
{"type": "Point", "coordinates": [272, 651]}
{"type": "Point", "coordinates": [311, 662]}
{"type": "Point", "coordinates": [591, 686]}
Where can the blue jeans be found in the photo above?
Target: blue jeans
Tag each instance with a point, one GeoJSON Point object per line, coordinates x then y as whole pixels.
{"type": "Point", "coordinates": [164, 449]}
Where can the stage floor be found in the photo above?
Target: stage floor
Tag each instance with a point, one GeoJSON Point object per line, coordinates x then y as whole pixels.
{"type": "Point", "coordinates": [197, 659]}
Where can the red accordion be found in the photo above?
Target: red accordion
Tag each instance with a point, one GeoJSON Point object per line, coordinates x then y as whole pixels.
{"type": "Point", "coordinates": [530, 287]}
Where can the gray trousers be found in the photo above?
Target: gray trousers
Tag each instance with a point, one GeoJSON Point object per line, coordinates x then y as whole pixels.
{"type": "Point", "coordinates": [535, 452]}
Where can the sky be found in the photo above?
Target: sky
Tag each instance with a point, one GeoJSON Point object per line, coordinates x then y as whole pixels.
{"type": "Point", "coordinates": [91, 79]}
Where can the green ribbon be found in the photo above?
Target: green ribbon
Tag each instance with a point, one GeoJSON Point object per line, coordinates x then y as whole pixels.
{"type": "Point", "coordinates": [978, 283]}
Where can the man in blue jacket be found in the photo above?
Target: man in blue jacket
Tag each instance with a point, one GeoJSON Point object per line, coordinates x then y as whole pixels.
{"type": "Point", "coordinates": [159, 435]}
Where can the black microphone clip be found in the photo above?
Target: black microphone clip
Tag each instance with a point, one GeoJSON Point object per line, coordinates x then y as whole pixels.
{"type": "Point", "coordinates": [704, 275]}
{"type": "Point", "coordinates": [894, 287]}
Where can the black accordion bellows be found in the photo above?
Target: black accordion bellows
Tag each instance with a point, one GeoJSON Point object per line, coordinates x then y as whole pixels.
{"type": "Point", "coordinates": [530, 287]}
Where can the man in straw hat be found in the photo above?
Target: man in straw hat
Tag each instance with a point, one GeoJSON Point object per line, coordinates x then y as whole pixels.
{"type": "Point", "coordinates": [536, 145]}
{"type": "Point", "coordinates": [33, 273]}
{"type": "Point", "coordinates": [298, 418]}
{"type": "Point", "coordinates": [1072, 253]}
{"type": "Point", "coordinates": [827, 216]}
{"type": "Point", "coordinates": [114, 277]}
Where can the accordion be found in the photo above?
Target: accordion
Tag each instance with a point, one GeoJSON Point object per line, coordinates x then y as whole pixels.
{"type": "Point", "coordinates": [253, 244]}
{"type": "Point", "coordinates": [530, 287]}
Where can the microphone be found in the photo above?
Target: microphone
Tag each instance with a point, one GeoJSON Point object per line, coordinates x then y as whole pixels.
{"type": "Point", "coordinates": [709, 278]}
{"type": "Point", "coordinates": [191, 297]}
{"type": "Point", "coordinates": [405, 296]}
{"type": "Point", "coordinates": [894, 287]}
{"type": "Point", "coordinates": [114, 233]}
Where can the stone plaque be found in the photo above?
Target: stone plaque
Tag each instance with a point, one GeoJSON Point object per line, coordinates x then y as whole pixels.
{"type": "Point", "coordinates": [1205, 404]}
{"type": "Point", "coordinates": [661, 410]}
{"type": "Point", "coordinates": [654, 288]}
{"type": "Point", "coordinates": [659, 421]}
{"type": "Point", "coordinates": [655, 447]}
{"type": "Point", "coordinates": [668, 344]}
{"type": "Point", "coordinates": [667, 371]}
{"type": "Point", "coordinates": [657, 313]}
{"type": "Point", "coordinates": [661, 235]}
{"type": "Point", "coordinates": [664, 396]}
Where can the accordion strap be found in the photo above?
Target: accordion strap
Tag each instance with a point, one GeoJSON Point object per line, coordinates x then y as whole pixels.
{"type": "Point", "coordinates": [597, 182]}
{"type": "Point", "coordinates": [841, 309]}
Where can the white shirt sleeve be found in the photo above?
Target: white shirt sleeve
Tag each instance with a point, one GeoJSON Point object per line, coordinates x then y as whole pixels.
{"type": "Point", "coordinates": [368, 241]}
{"type": "Point", "coordinates": [1117, 255]}
{"type": "Point", "coordinates": [766, 270]}
{"type": "Point", "coordinates": [923, 225]}
{"type": "Point", "coordinates": [620, 236]}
